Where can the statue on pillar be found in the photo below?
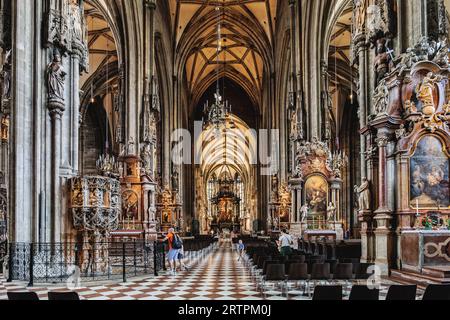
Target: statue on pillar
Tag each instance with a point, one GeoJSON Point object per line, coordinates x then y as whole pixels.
{"type": "Point", "coordinates": [331, 212]}
{"type": "Point", "coordinates": [56, 77]}
{"type": "Point", "coordinates": [359, 16]}
{"type": "Point", "coordinates": [304, 212]}
{"type": "Point", "coordinates": [364, 195]}
{"type": "Point", "coordinates": [175, 179]}
{"type": "Point", "coordinates": [5, 78]}
{"type": "Point", "coordinates": [76, 21]}
{"type": "Point", "coordinates": [146, 156]}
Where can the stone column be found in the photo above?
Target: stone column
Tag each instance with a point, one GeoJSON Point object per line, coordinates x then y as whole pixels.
{"type": "Point", "coordinates": [383, 215]}
{"type": "Point", "coordinates": [56, 109]}
{"type": "Point", "coordinates": [297, 187]}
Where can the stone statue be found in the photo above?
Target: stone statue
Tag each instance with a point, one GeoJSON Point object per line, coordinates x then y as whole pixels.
{"type": "Point", "coordinates": [175, 179]}
{"type": "Point", "coordinates": [146, 156]}
{"type": "Point", "coordinates": [331, 212]}
{"type": "Point", "coordinates": [76, 21]}
{"type": "Point", "coordinates": [130, 146]}
{"type": "Point", "coordinates": [382, 60]}
{"type": "Point", "coordinates": [276, 223]}
{"type": "Point", "coordinates": [5, 78]}
{"type": "Point", "coordinates": [364, 195]}
{"type": "Point", "coordinates": [304, 212]}
{"type": "Point", "coordinates": [359, 16]}
{"type": "Point", "coordinates": [275, 183]}
{"type": "Point", "coordinates": [56, 77]}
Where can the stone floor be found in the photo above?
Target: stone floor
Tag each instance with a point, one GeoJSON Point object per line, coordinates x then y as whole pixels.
{"type": "Point", "coordinates": [217, 276]}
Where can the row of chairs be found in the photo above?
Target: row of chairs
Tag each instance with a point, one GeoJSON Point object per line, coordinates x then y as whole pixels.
{"type": "Point", "coordinates": [433, 292]}
{"type": "Point", "coordinates": [52, 296]}
{"type": "Point", "coordinates": [293, 275]}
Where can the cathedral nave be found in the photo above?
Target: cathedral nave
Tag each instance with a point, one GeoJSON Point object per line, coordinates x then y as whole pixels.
{"type": "Point", "coordinates": [313, 136]}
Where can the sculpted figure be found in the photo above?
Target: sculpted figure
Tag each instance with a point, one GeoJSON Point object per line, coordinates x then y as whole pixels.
{"type": "Point", "coordinates": [331, 212]}
{"type": "Point", "coordinates": [77, 21]}
{"type": "Point", "coordinates": [56, 77]}
{"type": "Point", "coordinates": [364, 195]}
{"type": "Point", "coordinates": [359, 17]}
{"type": "Point", "coordinates": [304, 211]}
{"type": "Point", "coordinates": [382, 60]}
{"type": "Point", "coordinates": [5, 78]}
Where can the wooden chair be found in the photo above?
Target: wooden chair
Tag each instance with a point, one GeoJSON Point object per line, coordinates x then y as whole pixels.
{"type": "Point", "coordinates": [297, 274]}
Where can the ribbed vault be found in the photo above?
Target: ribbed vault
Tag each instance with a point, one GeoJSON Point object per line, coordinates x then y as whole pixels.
{"type": "Point", "coordinates": [247, 31]}
{"type": "Point", "coordinates": [101, 42]}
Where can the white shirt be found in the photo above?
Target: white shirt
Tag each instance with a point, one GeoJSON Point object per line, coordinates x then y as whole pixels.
{"type": "Point", "coordinates": [285, 240]}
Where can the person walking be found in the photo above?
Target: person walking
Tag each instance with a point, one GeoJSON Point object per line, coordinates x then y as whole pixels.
{"type": "Point", "coordinates": [175, 245]}
{"type": "Point", "coordinates": [241, 248]}
{"type": "Point", "coordinates": [285, 243]}
{"type": "Point", "coordinates": [181, 259]}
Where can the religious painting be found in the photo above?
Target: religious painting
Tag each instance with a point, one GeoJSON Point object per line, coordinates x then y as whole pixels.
{"type": "Point", "coordinates": [130, 205]}
{"type": "Point", "coordinates": [316, 189]}
{"type": "Point", "coordinates": [429, 175]}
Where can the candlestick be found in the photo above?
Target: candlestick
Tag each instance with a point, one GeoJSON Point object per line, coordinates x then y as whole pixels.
{"type": "Point", "coordinates": [417, 206]}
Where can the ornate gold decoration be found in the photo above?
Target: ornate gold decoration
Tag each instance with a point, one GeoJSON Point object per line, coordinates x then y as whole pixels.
{"type": "Point", "coordinates": [5, 128]}
{"type": "Point", "coordinates": [425, 92]}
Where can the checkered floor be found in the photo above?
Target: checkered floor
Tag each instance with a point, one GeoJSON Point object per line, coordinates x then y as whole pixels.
{"type": "Point", "coordinates": [215, 276]}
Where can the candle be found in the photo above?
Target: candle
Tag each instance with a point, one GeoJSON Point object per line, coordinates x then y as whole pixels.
{"type": "Point", "coordinates": [417, 206]}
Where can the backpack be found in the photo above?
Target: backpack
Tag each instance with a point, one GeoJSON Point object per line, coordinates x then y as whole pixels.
{"type": "Point", "coordinates": [177, 243]}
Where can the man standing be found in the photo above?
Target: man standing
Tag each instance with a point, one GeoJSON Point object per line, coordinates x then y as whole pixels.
{"type": "Point", "coordinates": [285, 243]}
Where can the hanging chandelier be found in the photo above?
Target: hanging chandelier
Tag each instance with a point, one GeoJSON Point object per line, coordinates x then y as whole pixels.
{"type": "Point", "coordinates": [216, 114]}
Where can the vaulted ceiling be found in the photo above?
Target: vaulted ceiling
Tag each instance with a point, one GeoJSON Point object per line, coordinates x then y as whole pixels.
{"type": "Point", "coordinates": [339, 58]}
{"type": "Point", "coordinates": [247, 32]}
{"type": "Point", "coordinates": [102, 46]}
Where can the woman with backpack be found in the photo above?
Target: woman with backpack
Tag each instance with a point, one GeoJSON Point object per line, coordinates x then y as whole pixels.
{"type": "Point", "coordinates": [175, 245]}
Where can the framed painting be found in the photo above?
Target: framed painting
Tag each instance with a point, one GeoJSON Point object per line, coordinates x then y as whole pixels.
{"type": "Point", "coordinates": [429, 175]}
{"type": "Point", "coordinates": [316, 191]}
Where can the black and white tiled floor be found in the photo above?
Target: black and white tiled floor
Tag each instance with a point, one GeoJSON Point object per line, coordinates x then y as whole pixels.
{"type": "Point", "coordinates": [217, 276]}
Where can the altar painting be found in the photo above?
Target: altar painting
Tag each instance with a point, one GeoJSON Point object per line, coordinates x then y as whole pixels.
{"type": "Point", "coordinates": [317, 195]}
{"type": "Point", "coordinates": [429, 180]}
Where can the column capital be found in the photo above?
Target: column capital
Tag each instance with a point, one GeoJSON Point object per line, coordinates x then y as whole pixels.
{"type": "Point", "coordinates": [383, 139]}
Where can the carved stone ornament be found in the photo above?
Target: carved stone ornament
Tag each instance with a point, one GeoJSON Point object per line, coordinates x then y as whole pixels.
{"type": "Point", "coordinates": [95, 203]}
{"type": "Point", "coordinates": [424, 50]}
{"type": "Point", "coordinates": [336, 163]}
{"type": "Point", "coordinates": [381, 99]}
{"type": "Point", "coordinates": [57, 29]}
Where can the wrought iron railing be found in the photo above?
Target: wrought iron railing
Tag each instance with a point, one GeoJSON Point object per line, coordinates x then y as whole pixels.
{"type": "Point", "coordinates": [62, 262]}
